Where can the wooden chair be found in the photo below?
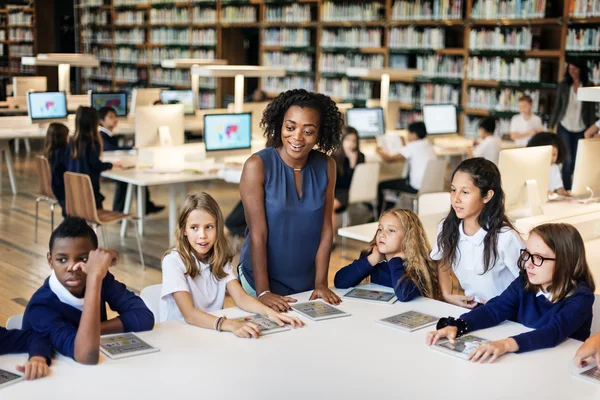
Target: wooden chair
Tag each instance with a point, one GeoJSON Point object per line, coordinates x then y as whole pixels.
{"type": "Point", "coordinates": [45, 189]}
{"type": "Point", "coordinates": [80, 202]}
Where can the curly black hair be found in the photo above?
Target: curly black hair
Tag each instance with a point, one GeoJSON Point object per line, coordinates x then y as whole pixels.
{"type": "Point", "coordinates": [331, 118]}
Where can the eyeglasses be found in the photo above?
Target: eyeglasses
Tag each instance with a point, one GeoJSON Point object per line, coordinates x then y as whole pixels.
{"type": "Point", "coordinates": [536, 259]}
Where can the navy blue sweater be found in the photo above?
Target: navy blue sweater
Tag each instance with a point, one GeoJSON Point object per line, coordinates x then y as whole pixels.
{"type": "Point", "coordinates": [89, 163]}
{"type": "Point", "coordinates": [109, 142]}
{"type": "Point", "coordinates": [553, 322]}
{"type": "Point", "coordinates": [59, 322]}
{"type": "Point", "coordinates": [58, 167]}
{"type": "Point", "coordinates": [385, 273]}
{"type": "Point", "coordinates": [18, 341]}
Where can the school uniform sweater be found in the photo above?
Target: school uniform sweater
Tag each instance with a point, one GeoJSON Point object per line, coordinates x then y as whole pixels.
{"type": "Point", "coordinates": [18, 341]}
{"type": "Point", "coordinates": [89, 163]}
{"type": "Point", "coordinates": [59, 321]}
{"type": "Point", "coordinates": [110, 142]}
{"type": "Point", "coordinates": [386, 273]}
{"type": "Point", "coordinates": [553, 322]}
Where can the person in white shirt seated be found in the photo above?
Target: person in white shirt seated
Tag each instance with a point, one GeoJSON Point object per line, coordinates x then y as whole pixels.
{"type": "Point", "coordinates": [490, 145]}
{"type": "Point", "coordinates": [559, 154]}
{"type": "Point", "coordinates": [525, 124]}
{"type": "Point", "coordinates": [418, 152]}
{"type": "Point", "coordinates": [593, 132]}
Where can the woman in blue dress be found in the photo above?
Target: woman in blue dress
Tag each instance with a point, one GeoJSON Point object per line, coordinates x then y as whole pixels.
{"type": "Point", "coordinates": [287, 191]}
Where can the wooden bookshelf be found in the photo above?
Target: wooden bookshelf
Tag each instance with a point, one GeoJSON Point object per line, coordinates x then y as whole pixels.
{"type": "Point", "coordinates": [17, 20]}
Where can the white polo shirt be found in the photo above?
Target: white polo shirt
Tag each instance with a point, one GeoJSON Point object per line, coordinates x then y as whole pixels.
{"type": "Point", "coordinates": [207, 292]}
{"type": "Point", "coordinates": [489, 148]}
{"type": "Point", "coordinates": [468, 266]}
{"type": "Point", "coordinates": [555, 181]}
{"type": "Point", "coordinates": [518, 124]}
{"type": "Point", "coordinates": [418, 153]}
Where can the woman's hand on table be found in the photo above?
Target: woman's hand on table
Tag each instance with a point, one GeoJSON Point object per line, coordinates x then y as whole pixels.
{"type": "Point", "coordinates": [277, 302]}
{"type": "Point", "coordinates": [323, 292]}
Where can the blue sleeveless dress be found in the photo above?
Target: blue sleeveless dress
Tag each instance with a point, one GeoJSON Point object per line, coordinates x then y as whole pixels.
{"type": "Point", "coordinates": [294, 224]}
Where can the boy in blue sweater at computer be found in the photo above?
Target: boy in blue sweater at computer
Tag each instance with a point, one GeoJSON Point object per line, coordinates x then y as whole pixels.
{"type": "Point", "coordinates": [70, 307]}
{"type": "Point", "coordinates": [39, 348]}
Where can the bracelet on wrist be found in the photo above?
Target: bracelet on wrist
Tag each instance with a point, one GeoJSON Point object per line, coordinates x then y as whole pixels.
{"type": "Point", "coordinates": [459, 324]}
{"type": "Point", "coordinates": [263, 293]}
{"type": "Point", "coordinates": [220, 324]}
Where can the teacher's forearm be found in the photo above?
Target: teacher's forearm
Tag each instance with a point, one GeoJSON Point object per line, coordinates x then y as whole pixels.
{"type": "Point", "coordinates": [322, 259]}
{"type": "Point", "coordinates": [258, 256]}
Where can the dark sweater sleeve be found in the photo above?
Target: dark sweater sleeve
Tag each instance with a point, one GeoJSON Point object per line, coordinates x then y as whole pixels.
{"type": "Point", "coordinates": [132, 310]}
{"type": "Point", "coordinates": [93, 156]}
{"type": "Point", "coordinates": [352, 274]}
{"type": "Point", "coordinates": [496, 310]}
{"type": "Point", "coordinates": [18, 341]}
{"type": "Point", "coordinates": [50, 323]}
{"type": "Point", "coordinates": [405, 288]}
{"type": "Point", "coordinates": [575, 312]}
{"type": "Point", "coordinates": [558, 106]}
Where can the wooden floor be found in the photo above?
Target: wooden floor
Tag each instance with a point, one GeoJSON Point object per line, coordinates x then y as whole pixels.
{"type": "Point", "coordinates": [23, 265]}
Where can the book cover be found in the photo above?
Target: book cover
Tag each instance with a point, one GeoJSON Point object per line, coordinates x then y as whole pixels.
{"type": "Point", "coordinates": [409, 321]}
{"type": "Point", "coordinates": [318, 310]}
{"type": "Point", "coordinates": [376, 296]}
{"type": "Point", "coordinates": [123, 345]}
{"type": "Point", "coordinates": [266, 326]}
{"type": "Point", "coordinates": [462, 347]}
{"type": "Point", "coordinates": [8, 378]}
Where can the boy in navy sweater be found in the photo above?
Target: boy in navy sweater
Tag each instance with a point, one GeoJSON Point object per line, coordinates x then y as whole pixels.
{"type": "Point", "coordinates": [554, 295]}
{"type": "Point", "coordinates": [70, 308]}
{"type": "Point", "coordinates": [39, 349]}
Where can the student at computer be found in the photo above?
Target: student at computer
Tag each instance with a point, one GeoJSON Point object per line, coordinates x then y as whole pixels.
{"type": "Point", "coordinates": [108, 123]}
{"type": "Point", "coordinates": [476, 240]}
{"type": "Point", "coordinates": [55, 151]}
{"type": "Point", "coordinates": [559, 153]}
{"type": "Point", "coordinates": [490, 145]}
{"type": "Point", "coordinates": [590, 349]}
{"type": "Point", "coordinates": [397, 257]}
{"type": "Point", "coordinates": [417, 152]}
{"type": "Point", "coordinates": [553, 295]}
{"type": "Point", "coordinates": [287, 190]}
{"type": "Point", "coordinates": [525, 124]}
{"type": "Point", "coordinates": [85, 149]}
{"type": "Point", "coordinates": [197, 272]}
{"type": "Point", "coordinates": [70, 307]}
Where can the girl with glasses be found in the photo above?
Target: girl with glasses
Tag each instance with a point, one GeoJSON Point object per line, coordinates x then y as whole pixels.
{"type": "Point", "coordinates": [553, 295]}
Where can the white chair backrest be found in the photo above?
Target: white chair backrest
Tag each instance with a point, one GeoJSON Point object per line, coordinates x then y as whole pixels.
{"type": "Point", "coordinates": [15, 322]}
{"type": "Point", "coordinates": [596, 318]}
{"type": "Point", "coordinates": [434, 203]}
{"type": "Point", "coordinates": [363, 188]}
{"type": "Point", "coordinates": [433, 180]}
{"type": "Point", "coordinates": [151, 296]}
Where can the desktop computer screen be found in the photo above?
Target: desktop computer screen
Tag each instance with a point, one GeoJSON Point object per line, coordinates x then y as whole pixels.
{"type": "Point", "coordinates": [440, 119]}
{"type": "Point", "coordinates": [116, 100]}
{"type": "Point", "coordinates": [185, 97]}
{"type": "Point", "coordinates": [369, 122]}
{"type": "Point", "coordinates": [227, 131]}
{"type": "Point", "coordinates": [47, 105]}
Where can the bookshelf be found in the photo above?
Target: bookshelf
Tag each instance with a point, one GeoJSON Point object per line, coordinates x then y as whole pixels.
{"type": "Point", "coordinates": [17, 38]}
{"type": "Point", "coordinates": [478, 54]}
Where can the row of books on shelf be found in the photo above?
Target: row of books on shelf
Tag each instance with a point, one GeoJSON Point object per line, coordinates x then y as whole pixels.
{"type": "Point", "coordinates": [499, 99]}
{"type": "Point", "coordinates": [501, 38]}
{"type": "Point", "coordinates": [286, 37]}
{"type": "Point", "coordinates": [169, 16]}
{"type": "Point", "coordinates": [510, 9]}
{"type": "Point", "coordinates": [296, 62]}
{"type": "Point", "coordinates": [497, 68]}
{"type": "Point", "coordinates": [90, 35]}
{"type": "Point", "coordinates": [351, 38]}
{"type": "Point", "coordinates": [409, 10]}
{"type": "Point", "coordinates": [361, 11]}
{"type": "Point", "coordinates": [20, 49]}
{"type": "Point", "coordinates": [338, 63]}
{"type": "Point", "coordinates": [233, 14]}
{"type": "Point", "coordinates": [141, 56]}
{"type": "Point", "coordinates": [97, 18]}
{"type": "Point", "coordinates": [132, 36]}
{"type": "Point", "coordinates": [346, 89]}
{"type": "Point", "coordinates": [278, 85]}
{"type": "Point", "coordinates": [21, 34]}
{"type": "Point", "coordinates": [130, 18]}
{"type": "Point", "coordinates": [438, 66]}
{"type": "Point", "coordinates": [20, 18]}
{"type": "Point", "coordinates": [587, 39]}
{"type": "Point", "coordinates": [471, 126]}
{"type": "Point", "coordinates": [2, 35]}
{"type": "Point", "coordinates": [416, 38]}
{"type": "Point", "coordinates": [168, 54]}
{"type": "Point", "coordinates": [118, 3]}
{"type": "Point", "coordinates": [431, 93]}
{"type": "Point", "coordinates": [584, 8]}
{"type": "Point", "coordinates": [169, 36]}
{"type": "Point", "coordinates": [91, 3]}
{"type": "Point", "coordinates": [288, 13]}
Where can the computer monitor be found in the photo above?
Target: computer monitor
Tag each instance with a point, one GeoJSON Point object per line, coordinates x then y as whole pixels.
{"type": "Point", "coordinates": [586, 178]}
{"type": "Point", "coordinates": [227, 133]}
{"type": "Point", "coordinates": [185, 97]}
{"type": "Point", "coordinates": [256, 109]}
{"type": "Point", "coordinates": [46, 105]}
{"type": "Point", "coordinates": [24, 84]}
{"type": "Point", "coordinates": [116, 100]}
{"type": "Point", "coordinates": [440, 119]}
{"type": "Point", "coordinates": [525, 174]}
{"type": "Point", "coordinates": [149, 119]}
{"type": "Point", "coordinates": [143, 97]}
{"type": "Point", "coordinates": [369, 122]}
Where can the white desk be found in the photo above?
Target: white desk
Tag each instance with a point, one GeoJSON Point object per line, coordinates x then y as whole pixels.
{"type": "Point", "coordinates": [345, 358]}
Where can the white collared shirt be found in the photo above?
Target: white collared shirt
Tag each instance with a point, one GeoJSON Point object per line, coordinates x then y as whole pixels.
{"type": "Point", "coordinates": [207, 292]}
{"type": "Point", "coordinates": [489, 148]}
{"type": "Point", "coordinates": [468, 266]}
{"type": "Point", "coordinates": [555, 181]}
{"type": "Point", "coordinates": [418, 153]}
{"type": "Point", "coordinates": [103, 129]}
{"type": "Point", "coordinates": [546, 295]}
{"type": "Point", "coordinates": [518, 124]}
{"type": "Point", "coordinates": [63, 294]}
